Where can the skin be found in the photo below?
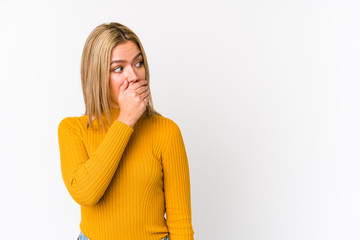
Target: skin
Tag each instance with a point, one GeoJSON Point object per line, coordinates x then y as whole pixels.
{"type": "Point", "coordinates": [128, 87]}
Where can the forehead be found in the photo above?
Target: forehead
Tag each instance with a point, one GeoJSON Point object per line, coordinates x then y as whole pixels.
{"type": "Point", "coordinates": [124, 51]}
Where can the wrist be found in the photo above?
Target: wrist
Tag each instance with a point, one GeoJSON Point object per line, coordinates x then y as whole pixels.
{"type": "Point", "coordinates": [129, 123]}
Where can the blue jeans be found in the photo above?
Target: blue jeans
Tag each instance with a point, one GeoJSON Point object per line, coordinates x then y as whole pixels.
{"type": "Point", "coordinates": [83, 237]}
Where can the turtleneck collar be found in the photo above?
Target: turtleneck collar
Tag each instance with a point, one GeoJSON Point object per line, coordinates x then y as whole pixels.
{"type": "Point", "coordinates": [114, 113]}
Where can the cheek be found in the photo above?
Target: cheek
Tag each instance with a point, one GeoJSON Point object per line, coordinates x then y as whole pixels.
{"type": "Point", "coordinates": [114, 86]}
{"type": "Point", "coordinates": [142, 73]}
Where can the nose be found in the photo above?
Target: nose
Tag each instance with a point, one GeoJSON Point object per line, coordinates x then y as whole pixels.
{"type": "Point", "coordinates": [132, 76]}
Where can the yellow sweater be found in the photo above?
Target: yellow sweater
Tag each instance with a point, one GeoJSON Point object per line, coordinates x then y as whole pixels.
{"type": "Point", "coordinates": [125, 179]}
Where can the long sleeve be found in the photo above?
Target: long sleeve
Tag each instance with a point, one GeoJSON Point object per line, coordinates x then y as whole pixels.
{"type": "Point", "coordinates": [177, 187]}
{"type": "Point", "coordinates": [87, 178]}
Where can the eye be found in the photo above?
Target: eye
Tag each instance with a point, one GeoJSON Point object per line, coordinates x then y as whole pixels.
{"type": "Point", "coordinates": [118, 69]}
{"type": "Point", "coordinates": [139, 64]}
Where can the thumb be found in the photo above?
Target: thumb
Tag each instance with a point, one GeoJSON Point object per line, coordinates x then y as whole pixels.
{"type": "Point", "coordinates": [123, 86]}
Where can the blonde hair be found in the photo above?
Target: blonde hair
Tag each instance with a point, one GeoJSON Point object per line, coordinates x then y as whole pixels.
{"type": "Point", "coordinates": [95, 68]}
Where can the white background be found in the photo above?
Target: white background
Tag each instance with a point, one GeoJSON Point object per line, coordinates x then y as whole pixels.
{"type": "Point", "coordinates": [266, 94]}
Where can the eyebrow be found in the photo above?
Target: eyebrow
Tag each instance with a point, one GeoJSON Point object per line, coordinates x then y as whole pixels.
{"type": "Point", "coordinates": [115, 61]}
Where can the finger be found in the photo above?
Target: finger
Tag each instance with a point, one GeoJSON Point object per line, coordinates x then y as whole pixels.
{"type": "Point", "coordinates": [123, 86]}
{"type": "Point", "coordinates": [138, 84]}
{"type": "Point", "coordinates": [143, 89]}
{"type": "Point", "coordinates": [147, 98]}
{"type": "Point", "coordinates": [145, 93]}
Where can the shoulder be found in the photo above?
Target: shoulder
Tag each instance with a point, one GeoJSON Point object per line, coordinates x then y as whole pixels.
{"type": "Point", "coordinates": [166, 129]}
{"type": "Point", "coordinates": [73, 123]}
{"type": "Point", "coordinates": [163, 123]}
{"type": "Point", "coordinates": [162, 131]}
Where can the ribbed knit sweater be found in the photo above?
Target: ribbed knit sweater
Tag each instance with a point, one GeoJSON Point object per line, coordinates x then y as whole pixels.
{"type": "Point", "coordinates": [126, 178]}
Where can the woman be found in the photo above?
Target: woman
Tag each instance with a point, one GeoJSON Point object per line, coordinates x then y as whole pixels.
{"type": "Point", "coordinates": [128, 170]}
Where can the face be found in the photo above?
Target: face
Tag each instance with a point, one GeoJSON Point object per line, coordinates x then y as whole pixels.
{"type": "Point", "coordinates": [126, 62]}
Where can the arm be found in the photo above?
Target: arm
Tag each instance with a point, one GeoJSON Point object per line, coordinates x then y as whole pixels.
{"type": "Point", "coordinates": [177, 188]}
{"type": "Point", "coordinates": [86, 178]}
